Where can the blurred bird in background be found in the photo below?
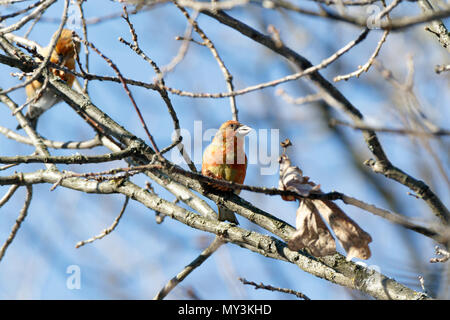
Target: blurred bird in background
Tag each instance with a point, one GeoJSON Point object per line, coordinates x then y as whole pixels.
{"type": "Point", "coordinates": [225, 159]}
{"type": "Point", "coordinates": [63, 55]}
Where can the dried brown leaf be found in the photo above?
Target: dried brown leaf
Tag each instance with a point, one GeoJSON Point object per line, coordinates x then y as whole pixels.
{"type": "Point", "coordinates": [286, 143]}
{"type": "Point", "coordinates": [292, 179]}
{"type": "Point", "coordinates": [312, 232]}
{"type": "Point", "coordinates": [353, 239]}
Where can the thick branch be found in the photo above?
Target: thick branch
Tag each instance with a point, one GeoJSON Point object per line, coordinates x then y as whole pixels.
{"type": "Point", "coordinates": [332, 268]}
{"type": "Point", "coordinates": [75, 159]}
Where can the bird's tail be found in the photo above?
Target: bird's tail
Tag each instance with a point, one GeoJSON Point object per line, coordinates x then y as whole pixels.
{"type": "Point", "coordinates": [32, 119]}
{"type": "Point", "coordinates": [37, 108]}
{"type": "Point", "coordinates": [227, 214]}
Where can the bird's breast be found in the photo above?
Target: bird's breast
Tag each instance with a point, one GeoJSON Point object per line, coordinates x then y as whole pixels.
{"type": "Point", "coordinates": [221, 162]}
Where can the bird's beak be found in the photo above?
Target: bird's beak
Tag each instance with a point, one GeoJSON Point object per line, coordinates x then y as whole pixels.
{"type": "Point", "coordinates": [243, 130]}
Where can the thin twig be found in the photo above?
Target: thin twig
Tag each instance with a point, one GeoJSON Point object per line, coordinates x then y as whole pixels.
{"type": "Point", "coordinates": [301, 100]}
{"type": "Point", "coordinates": [102, 176]}
{"type": "Point", "coordinates": [19, 12]}
{"type": "Point", "coordinates": [217, 242]}
{"type": "Point", "coordinates": [86, 47]}
{"type": "Point", "coordinates": [87, 144]}
{"type": "Point", "coordinates": [127, 90]}
{"type": "Point", "coordinates": [308, 71]}
{"type": "Point", "coordinates": [102, 19]}
{"type": "Point", "coordinates": [29, 67]}
{"type": "Point", "coordinates": [395, 24]}
{"type": "Point", "coordinates": [440, 252]}
{"type": "Point", "coordinates": [162, 92]}
{"type": "Point", "coordinates": [422, 284]}
{"type": "Point", "coordinates": [186, 39]}
{"type": "Point", "coordinates": [16, 227]}
{"type": "Point", "coordinates": [435, 134]}
{"type": "Point", "coordinates": [436, 26]}
{"type": "Point", "coordinates": [33, 24]}
{"type": "Point", "coordinates": [36, 140]}
{"type": "Point", "coordinates": [8, 194]}
{"type": "Point", "coordinates": [387, 10]}
{"type": "Point", "coordinates": [346, 2]}
{"type": "Point", "coordinates": [208, 43]}
{"type": "Point", "coordinates": [442, 68]}
{"type": "Point", "coordinates": [107, 230]}
{"type": "Point", "coordinates": [368, 64]}
{"type": "Point", "coordinates": [8, 166]}
{"type": "Point", "coordinates": [271, 288]}
{"type": "Point", "coordinates": [36, 12]}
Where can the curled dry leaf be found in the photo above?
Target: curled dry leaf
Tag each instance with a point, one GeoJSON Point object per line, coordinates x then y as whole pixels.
{"type": "Point", "coordinates": [312, 232]}
{"type": "Point", "coordinates": [353, 239]}
{"type": "Point", "coordinates": [292, 179]}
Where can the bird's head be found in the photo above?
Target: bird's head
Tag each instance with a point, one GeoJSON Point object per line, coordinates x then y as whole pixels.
{"type": "Point", "coordinates": [233, 128]}
{"type": "Point", "coordinates": [64, 55]}
{"type": "Point", "coordinates": [66, 47]}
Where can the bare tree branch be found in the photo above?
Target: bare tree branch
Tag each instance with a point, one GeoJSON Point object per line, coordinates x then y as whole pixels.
{"type": "Point", "coordinates": [75, 159]}
{"type": "Point", "coordinates": [22, 215]}
{"type": "Point", "coordinates": [435, 134]}
{"type": "Point", "coordinates": [217, 242]}
{"type": "Point", "coordinates": [107, 230]}
{"type": "Point", "coordinates": [8, 194]}
{"type": "Point", "coordinates": [333, 268]}
{"type": "Point", "coordinates": [272, 288]}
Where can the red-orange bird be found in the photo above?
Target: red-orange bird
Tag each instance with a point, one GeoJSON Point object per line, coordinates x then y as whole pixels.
{"type": "Point", "coordinates": [63, 55]}
{"type": "Point", "coordinates": [225, 159]}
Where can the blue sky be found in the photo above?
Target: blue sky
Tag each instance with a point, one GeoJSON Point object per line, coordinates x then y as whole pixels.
{"type": "Point", "coordinates": [140, 256]}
